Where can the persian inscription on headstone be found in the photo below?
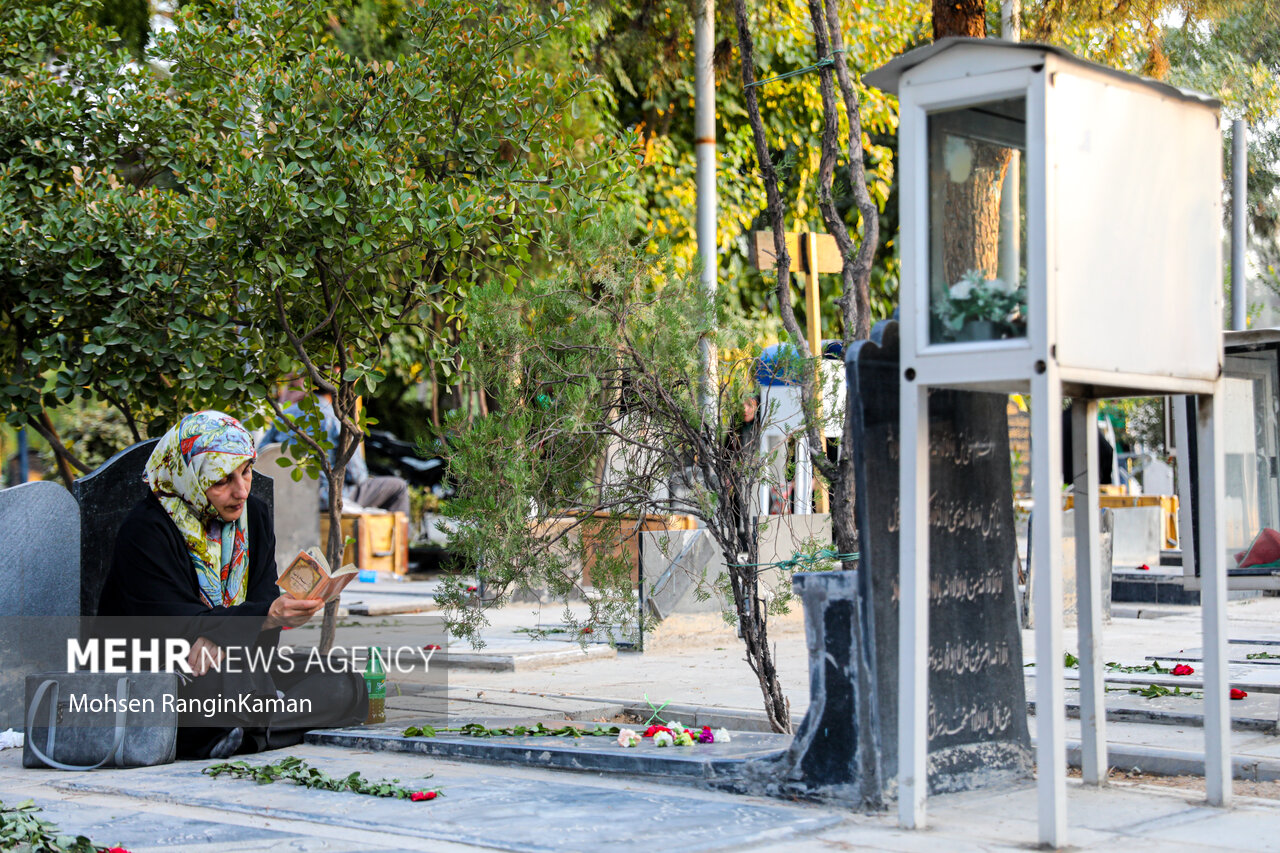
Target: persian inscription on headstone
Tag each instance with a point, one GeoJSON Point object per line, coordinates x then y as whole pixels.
{"type": "Point", "coordinates": [106, 497]}
{"type": "Point", "coordinates": [39, 587]}
{"type": "Point", "coordinates": [977, 724]}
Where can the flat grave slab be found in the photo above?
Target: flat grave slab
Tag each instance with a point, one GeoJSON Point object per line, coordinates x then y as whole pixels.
{"type": "Point", "coordinates": [698, 763]}
{"type": "Point", "coordinates": [389, 597]}
{"type": "Point", "coordinates": [138, 830]}
{"type": "Point", "coordinates": [1238, 653]}
{"type": "Point", "coordinates": [521, 656]}
{"type": "Point", "coordinates": [1252, 679]}
{"type": "Point", "coordinates": [467, 701]}
{"type": "Point", "coordinates": [481, 806]}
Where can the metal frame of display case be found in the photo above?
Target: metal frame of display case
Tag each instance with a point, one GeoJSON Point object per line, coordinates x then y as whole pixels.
{"type": "Point", "coordinates": [1109, 231]}
{"type": "Point", "coordinates": [1238, 347]}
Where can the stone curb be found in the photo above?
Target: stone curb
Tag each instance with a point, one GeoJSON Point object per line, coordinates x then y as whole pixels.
{"type": "Point", "coordinates": [1174, 762]}
{"type": "Point", "coordinates": [673, 764]}
{"type": "Point", "coordinates": [1168, 718]}
{"type": "Point", "coordinates": [521, 661]}
{"type": "Point", "coordinates": [393, 609]}
{"type": "Point", "coordinates": [733, 719]}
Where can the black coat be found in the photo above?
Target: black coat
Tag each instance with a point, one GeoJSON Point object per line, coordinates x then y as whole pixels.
{"type": "Point", "coordinates": [152, 575]}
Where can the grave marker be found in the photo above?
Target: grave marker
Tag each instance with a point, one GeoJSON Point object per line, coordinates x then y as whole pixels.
{"type": "Point", "coordinates": [846, 747]}
{"type": "Point", "coordinates": [977, 700]}
{"type": "Point", "coordinates": [39, 588]}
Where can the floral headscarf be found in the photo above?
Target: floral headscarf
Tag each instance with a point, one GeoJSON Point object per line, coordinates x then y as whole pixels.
{"type": "Point", "coordinates": [202, 449]}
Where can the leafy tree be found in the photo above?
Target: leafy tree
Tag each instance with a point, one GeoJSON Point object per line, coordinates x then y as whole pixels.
{"type": "Point", "coordinates": [347, 200]}
{"type": "Point", "coordinates": [600, 426]}
{"type": "Point", "coordinates": [645, 48]}
{"type": "Point", "coordinates": [1235, 54]}
{"type": "Point", "coordinates": [97, 291]}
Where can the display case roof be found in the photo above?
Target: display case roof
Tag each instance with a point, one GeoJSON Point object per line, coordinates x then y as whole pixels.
{"type": "Point", "coordinates": [888, 76]}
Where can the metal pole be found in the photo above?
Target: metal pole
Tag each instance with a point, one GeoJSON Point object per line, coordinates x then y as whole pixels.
{"type": "Point", "coordinates": [1011, 20]}
{"type": "Point", "coordinates": [1239, 222]}
{"type": "Point", "coordinates": [1010, 215]}
{"type": "Point", "coordinates": [704, 122]}
{"type": "Point", "coordinates": [24, 470]}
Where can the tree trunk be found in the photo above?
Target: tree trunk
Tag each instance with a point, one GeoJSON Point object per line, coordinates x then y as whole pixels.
{"type": "Point", "coordinates": [971, 214]}
{"type": "Point", "coordinates": [739, 545]}
{"type": "Point", "coordinates": [65, 458]}
{"type": "Point", "coordinates": [335, 545]}
{"type": "Point", "coordinates": [959, 18]}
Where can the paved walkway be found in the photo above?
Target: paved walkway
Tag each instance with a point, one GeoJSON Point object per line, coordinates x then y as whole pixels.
{"type": "Point", "coordinates": [696, 663]}
{"type": "Point", "coordinates": [485, 807]}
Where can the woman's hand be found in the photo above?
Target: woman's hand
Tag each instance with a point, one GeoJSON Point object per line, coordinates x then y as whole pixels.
{"type": "Point", "coordinates": [205, 655]}
{"type": "Point", "coordinates": [289, 612]}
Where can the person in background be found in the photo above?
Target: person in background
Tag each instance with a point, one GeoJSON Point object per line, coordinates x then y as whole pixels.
{"type": "Point", "coordinates": [359, 490]}
{"type": "Point", "coordinates": [743, 443]}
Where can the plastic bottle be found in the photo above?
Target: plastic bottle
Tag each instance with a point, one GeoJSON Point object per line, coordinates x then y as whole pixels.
{"type": "Point", "coordinates": [375, 681]}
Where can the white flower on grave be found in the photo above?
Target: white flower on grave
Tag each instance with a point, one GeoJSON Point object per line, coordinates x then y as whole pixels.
{"type": "Point", "coordinates": [627, 737]}
{"type": "Point", "coordinates": [676, 726]}
{"type": "Point", "coordinates": [663, 739]}
{"type": "Point", "coordinates": [722, 735]}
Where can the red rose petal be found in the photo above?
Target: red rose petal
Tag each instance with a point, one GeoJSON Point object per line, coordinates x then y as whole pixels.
{"type": "Point", "coordinates": [1237, 693]}
{"type": "Point", "coordinates": [431, 647]}
{"type": "Point", "coordinates": [419, 796]}
{"type": "Point", "coordinates": [1144, 568]}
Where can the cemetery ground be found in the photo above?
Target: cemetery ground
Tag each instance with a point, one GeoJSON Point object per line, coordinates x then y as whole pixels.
{"type": "Point", "coordinates": [693, 662]}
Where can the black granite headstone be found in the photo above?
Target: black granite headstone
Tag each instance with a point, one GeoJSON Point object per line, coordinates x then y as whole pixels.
{"type": "Point", "coordinates": [106, 497]}
{"type": "Point", "coordinates": [846, 746]}
{"type": "Point", "coordinates": [977, 701]}
{"type": "Point", "coordinates": [39, 587]}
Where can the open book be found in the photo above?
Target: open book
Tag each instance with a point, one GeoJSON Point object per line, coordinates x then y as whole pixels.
{"type": "Point", "coordinates": [308, 577]}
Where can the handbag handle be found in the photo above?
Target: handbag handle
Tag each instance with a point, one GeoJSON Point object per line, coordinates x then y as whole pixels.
{"type": "Point", "coordinates": [116, 749]}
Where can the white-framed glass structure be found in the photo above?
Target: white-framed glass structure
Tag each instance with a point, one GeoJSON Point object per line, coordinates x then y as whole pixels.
{"type": "Point", "coordinates": [1251, 458]}
{"type": "Point", "coordinates": [1071, 199]}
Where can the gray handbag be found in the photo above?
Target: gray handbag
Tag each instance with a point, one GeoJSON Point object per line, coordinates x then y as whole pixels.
{"type": "Point", "coordinates": [98, 719]}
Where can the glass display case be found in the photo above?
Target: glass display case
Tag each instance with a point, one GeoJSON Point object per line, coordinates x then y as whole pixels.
{"type": "Point", "coordinates": [1250, 433]}
{"type": "Point", "coordinates": [977, 231]}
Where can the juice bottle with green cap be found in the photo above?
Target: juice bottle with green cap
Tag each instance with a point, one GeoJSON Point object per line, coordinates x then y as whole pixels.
{"type": "Point", "coordinates": [375, 681]}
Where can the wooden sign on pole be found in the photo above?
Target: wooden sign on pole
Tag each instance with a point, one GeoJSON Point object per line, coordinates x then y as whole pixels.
{"type": "Point", "coordinates": [809, 253]}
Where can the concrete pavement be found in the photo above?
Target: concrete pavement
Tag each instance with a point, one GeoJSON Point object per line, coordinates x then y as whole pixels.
{"type": "Point", "coordinates": [696, 663]}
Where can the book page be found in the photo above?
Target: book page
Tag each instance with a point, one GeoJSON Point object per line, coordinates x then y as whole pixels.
{"type": "Point", "coordinates": [304, 575]}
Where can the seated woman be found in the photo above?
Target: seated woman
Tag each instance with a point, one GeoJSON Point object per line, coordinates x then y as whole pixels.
{"type": "Point", "coordinates": [196, 559]}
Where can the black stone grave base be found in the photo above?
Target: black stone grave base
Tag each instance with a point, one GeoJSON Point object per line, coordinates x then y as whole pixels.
{"type": "Point", "coordinates": [834, 756]}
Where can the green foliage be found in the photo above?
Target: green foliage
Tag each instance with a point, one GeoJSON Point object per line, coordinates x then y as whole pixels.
{"type": "Point", "coordinates": [295, 770]}
{"type": "Point", "coordinates": [1234, 54]}
{"type": "Point", "coordinates": [352, 201]}
{"type": "Point", "coordinates": [1154, 667]}
{"type": "Point", "coordinates": [1155, 691]}
{"type": "Point", "coordinates": [97, 289]}
{"type": "Point", "coordinates": [92, 431]}
{"type": "Point", "coordinates": [645, 49]}
{"type": "Point", "coordinates": [594, 373]}
{"type": "Point", "coordinates": [21, 829]}
{"type": "Point", "coordinates": [1138, 421]}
